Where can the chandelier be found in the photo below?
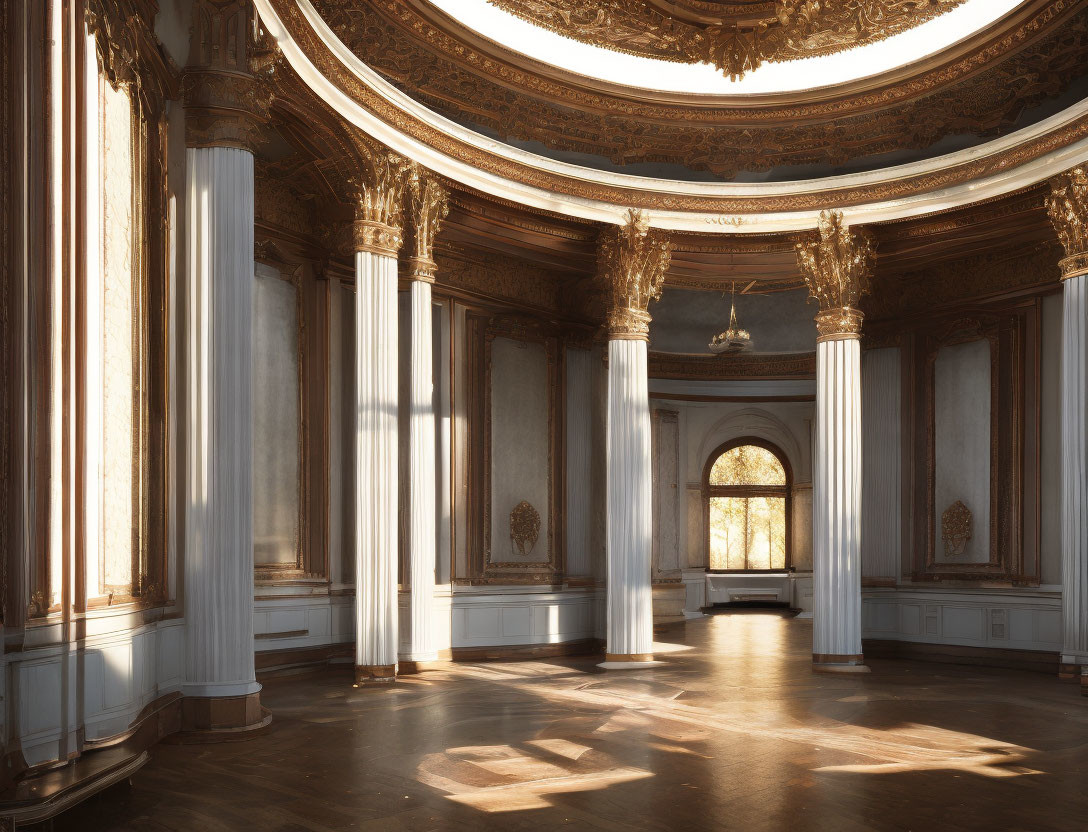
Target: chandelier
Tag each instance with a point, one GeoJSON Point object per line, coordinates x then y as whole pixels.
{"type": "Point", "coordinates": [733, 339]}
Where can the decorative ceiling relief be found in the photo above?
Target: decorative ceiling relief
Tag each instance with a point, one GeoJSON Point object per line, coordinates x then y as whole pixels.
{"type": "Point", "coordinates": [735, 37]}
{"type": "Point", "coordinates": [516, 100]}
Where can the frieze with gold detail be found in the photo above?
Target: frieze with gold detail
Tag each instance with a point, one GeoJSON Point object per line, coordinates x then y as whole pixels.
{"type": "Point", "coordinates": [735, 37]}
{"type": "Point", "coordinates": [837, 266]}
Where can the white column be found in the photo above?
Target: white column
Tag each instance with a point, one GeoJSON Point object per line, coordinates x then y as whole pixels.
{"type": "Point", "coordinates": [1074, 508]}
{"type": "Point", "coordinates": [376, 465]}
{"type": "Point", "coordinates": [630, 605]}
{"type": "Point", "coordinates": [219, 513]}
{"type": "Point", "coordinates": [836, 503]}
{"type": "Point", "coordinates": [421, 477]}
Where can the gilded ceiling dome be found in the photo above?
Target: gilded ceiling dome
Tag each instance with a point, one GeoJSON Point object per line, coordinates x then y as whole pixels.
{"type": "Point", "coordinates": [735, 37]}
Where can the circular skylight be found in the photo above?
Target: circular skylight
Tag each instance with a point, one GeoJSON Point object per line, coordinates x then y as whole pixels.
{"type": "Point", "coordinates": [634, 71]}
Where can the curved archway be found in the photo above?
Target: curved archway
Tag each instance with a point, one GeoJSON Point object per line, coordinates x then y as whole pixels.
{"type": "Point", "coordinates": [747, 507]}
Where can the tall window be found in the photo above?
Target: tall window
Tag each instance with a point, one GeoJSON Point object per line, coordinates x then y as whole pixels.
{"type": "Point", "coordinates": [747, 487]}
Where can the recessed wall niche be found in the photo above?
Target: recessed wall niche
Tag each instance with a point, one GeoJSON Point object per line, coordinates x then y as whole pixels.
{"type": "Point", "coordinates": [276, 420]}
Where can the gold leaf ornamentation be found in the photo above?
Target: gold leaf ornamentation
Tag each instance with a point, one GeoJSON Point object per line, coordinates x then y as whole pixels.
{"type": "Point", "coordinates": [837, 267]}
{"type": "Point", "coordinates": [956, 528]}
{"type": "Point", "coordinates": [1067, 207]}
{"type": "Point", "coordinates": [429, 202]}
{"type": "Point", "coordinates": [524, 528]}
{"type": "Point", "coordinates": [632, 259]}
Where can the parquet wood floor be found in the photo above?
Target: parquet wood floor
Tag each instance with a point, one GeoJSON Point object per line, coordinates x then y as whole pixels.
{"type": "Point", "coordinates": [735, 732]}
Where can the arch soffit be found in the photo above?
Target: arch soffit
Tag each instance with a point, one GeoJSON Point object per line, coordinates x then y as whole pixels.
{"type": "Point", "coordinates": [760, 423]}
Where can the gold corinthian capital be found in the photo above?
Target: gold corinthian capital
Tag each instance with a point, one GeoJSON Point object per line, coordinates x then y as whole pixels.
{"type": "Point", "coordinates": [1067, 207]}
{"type": "Point", "coordinates": [632, 259]}
{"type": "Point", "coordinates": [837, 265]}
{"type": "Point", "coordinates": [379, 199]}
{"type": "Point", "coordinates": [429, 204]}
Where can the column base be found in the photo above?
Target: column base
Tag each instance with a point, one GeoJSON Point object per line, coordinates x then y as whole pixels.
{"type": "Point", "coordinates": [628, 661]}
{"type": "Point", "coordinates": [839, 663]}
{"type": "Point", "coordinates": [375, 674]}
{"type": "Point", "coordinates": [208, 719]}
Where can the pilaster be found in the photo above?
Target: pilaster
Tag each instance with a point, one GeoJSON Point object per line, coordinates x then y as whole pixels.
{"type": "Point", "coordinates": [836, 265]}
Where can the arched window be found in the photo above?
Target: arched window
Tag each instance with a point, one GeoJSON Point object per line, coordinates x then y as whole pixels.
{"type": "Point", "coordinates": [746, 487]}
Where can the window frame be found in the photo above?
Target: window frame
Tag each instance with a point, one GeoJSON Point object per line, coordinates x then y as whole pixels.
{"type": "Point", "coordinates": [786, 491]}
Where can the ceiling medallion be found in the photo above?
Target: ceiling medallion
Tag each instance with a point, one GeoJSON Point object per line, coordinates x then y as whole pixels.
{"type": "Point", "coordinates": [733, 339]}
{"type": "Point", "coordinates": [736, 38]}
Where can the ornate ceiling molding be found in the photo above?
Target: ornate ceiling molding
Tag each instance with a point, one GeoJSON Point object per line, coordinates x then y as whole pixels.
{"type": "Point", "coordinates": [370, 102]}
{"type": "Point", "coordinates": [735, 37]}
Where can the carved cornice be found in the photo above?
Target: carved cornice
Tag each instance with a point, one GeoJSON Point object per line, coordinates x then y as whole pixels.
{"type": "Point", "coordinates": [982, 93]}
{"type": "Point", "coordinates": [1067, 207]}
{"type": "Point", "coordinates": [736, 38]}
{"type": "Point", "coordinates": [429, 202]}
{"type": "Point", "coordinates": [1045, 17]}
{"type": "Point", "coordinates": [837, 266]}
{"type": "Point", "coordinates": [721, 367]}
{"type": "Point", "coordinates": [632, 259]}
{"type": "Point", "coordinates": [128, 50]}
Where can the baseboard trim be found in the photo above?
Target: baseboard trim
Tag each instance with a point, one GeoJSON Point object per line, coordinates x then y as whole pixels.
{"type": "Point", "coordinates": [581, 647]}
{"type": "Point", "coordinates": [273, 662]}
{"type": "Point", "coordinates": [1039, 661]}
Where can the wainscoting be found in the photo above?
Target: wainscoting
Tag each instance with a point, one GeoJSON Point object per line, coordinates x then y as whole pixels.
{"type": "Point", "coordinates": [996, 618]}
{"type": "Point", "coordinates": [507, 615]}
{"type": "Point", "coordinates": [98, 690]}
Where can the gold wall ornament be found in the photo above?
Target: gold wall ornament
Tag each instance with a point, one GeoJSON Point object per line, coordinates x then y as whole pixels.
{"type": "Point", "coordinates": [956, 528]}
{"type": "Point", "coordinates": [429, 203]}
{"type": "Point", "coordinates": [632, 258]}
{"type": "Point", "coordinates": [837, 266]}
{"type": "Point", "coordinates": [524, 528]}
{"type": "Point", "coordinates": [378, 197]}
{"type": "Point", "coordinates": [1067, 207]}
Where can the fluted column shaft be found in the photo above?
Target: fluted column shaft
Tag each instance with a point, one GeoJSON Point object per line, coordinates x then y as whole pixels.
{"type": "Point", "coordinates": [376, 464]}
{"type": "Point", "coordinates": [837, 264]}
{"type": "Point", "coordinates": [1074, 507]}
{"type": "Point", "coordinates": [422, 484]}
{"type": "Point", "coordinates": [1067, 207]}
{"type": "Point", "coordinates": [219, 514]}
{"type": "Point", "coordinates": [836, 504]}
{"type": "Point", "coordinates": [630, 603]}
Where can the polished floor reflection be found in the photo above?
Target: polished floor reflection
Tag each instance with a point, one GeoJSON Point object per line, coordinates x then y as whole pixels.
{"type": "Point", "coordinates": [734, 732]}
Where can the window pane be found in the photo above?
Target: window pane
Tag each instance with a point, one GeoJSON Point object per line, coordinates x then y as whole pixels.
{"type": "Point", "coordinates": [766, 533]}
{"type": "Point", "coordinates": [118, 354]}
{"type": "Point", "coordinates": [747, 532]}
{"type": "Point", "coordinates": [747, 465]}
